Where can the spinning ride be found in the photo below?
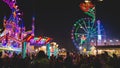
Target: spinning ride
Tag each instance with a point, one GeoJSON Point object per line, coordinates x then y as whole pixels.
{"type": "Point", "coordinates": [10, 38]}
{"type": "Point", "coordinates": [14, 34]}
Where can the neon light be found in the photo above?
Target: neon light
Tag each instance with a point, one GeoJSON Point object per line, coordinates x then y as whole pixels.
{"type": "Point", "coordinates": [99, 37]}
{"type": "Point", "coordinates": [85, 28]}
{"type": "Point", "coordinates": [10, 3]}
{"type": "Point", "coordinates": [86, 6]}
{"type": "Point", "coordinates": [15, 31]}
{"type": "Point", "coordinates": [24, 49]}
{"type": "Point", "coordinates": [38, 39]}
{"type": "Point", "coordinates": [29, 38]}
{"type": "Point", "coordinates": [48, 39]}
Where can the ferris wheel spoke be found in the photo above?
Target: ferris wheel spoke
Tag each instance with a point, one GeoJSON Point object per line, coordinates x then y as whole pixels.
{"type": "Point", "coordinates": [93, 30]}
{"type": "Point", "coordinates": [80, 34]}
{"type": "Point", "coordinates": [83, 28]}
{"type": "Point", "coordinates": [77, 30]}
{"type": "Point", "coordinates": [89, 25]}
{"type": "Point", "coordinates": [92, 26]}
{"type": "Point", "coordinates": [94, 33]}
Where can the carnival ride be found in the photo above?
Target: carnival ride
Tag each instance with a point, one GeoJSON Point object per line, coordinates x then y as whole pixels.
{"type": "Point", "coordinates": [86, 31]}
{"type": "Point", "coordinates": [10, 37]}
{"type": "Point", "coordinates": [14, 35]}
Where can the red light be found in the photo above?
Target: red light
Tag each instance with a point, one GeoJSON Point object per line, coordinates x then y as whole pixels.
{"type": "Point", "coordinates": [30, 37]}
{"type": "Point", "coordinates": [48, 39]}
{"type": "Point", "coordinates": [39, 39]}
{"type": "Point", "coordinates": [86, 6]}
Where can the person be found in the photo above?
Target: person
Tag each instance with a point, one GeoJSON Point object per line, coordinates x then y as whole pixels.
{"type": "Point", "coordinates": [1, 60]}
{"type": "Point", "coordinates": [41, 60]}
{"type": "Point", "coordinates": [68, 61]}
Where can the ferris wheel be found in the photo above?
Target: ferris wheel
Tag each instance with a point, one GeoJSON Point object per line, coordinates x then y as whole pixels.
{"type": "Point", "coordinates": [86, 30]}
{"type": "Point", "coordinates": [83, 32]}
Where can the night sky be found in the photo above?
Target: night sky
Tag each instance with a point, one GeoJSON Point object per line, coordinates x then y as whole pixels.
{"type": "Point", "coordinates": [55, 18]}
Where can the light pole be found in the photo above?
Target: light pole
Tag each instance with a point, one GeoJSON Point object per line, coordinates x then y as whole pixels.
{"type": "Point", "coordinates": [98, 34]}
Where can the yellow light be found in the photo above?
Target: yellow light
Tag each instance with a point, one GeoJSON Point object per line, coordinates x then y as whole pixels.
{"type": "Point", "coordinates": [87, 1]}
{"type": "Point", "coordinates": [100, 0]}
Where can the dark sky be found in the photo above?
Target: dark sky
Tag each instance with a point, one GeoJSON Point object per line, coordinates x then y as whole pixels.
{"type": "Point", "coordinates": [55, 18]}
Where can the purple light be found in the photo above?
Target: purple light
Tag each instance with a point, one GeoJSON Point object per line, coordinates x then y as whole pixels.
{"type": "Point", "coordinates": [17, 9]}
{"type": "Point", "coordinates": [117, 40]}
{"type": "Point", "coordinates": [19, 13]}
{"type": "Point", "coordinates": [19, 19]}
{"type": "Point", "coordinates": [111, 40]}
{"type": "Point", "coordinates": [9, 2]}
{"type": "Point", "coordinates": [13, 0]}
{"type": "Point", "coordinates": [105, 41]}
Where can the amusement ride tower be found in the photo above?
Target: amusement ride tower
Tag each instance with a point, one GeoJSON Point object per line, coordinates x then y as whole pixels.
{"type": "Point", "coordinates": [14, 30]}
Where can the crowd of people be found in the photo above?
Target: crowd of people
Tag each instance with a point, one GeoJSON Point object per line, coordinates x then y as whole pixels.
{"type": "Point", "coordinates": [71, 60]}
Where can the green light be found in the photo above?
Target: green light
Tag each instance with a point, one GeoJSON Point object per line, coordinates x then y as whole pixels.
{"type": "Point", "coordinates": [74, 24]}
{"type": "Point", "coordinates": [36, 38]}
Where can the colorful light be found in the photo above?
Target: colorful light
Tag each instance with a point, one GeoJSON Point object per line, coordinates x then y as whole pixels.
{"type": "Point", "coordinates": [39, 38]}
{"type": "Point", "coordinates": [29, 38]}
{"type": "Point", "coordinates": [16, 35]}
{"type": "Point", "coordinates": [48, 39]}
{"type": "Point", "coordinates": [86, 6]}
